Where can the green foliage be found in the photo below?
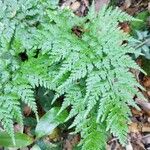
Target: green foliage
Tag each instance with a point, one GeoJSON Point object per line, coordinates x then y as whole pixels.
{"type": "Point", "coordinates": [50, 121]}
{"type": "Point", "coordinates": [22, 140]}
{"type": "Point", "coordinates": [146, 65]}
{"type": "Point", "coordinates": [44, 145]}
{"type": "Point", "coordinates": [142, 44]}
{"type": "Point", "coordinates": [19, 25]}
{"type": "Point", "coordinates": [140, 32]}
{"type": "Point", "coordinates": [140, 25]}
{"type": "Point", "coordinates": [39, 47]}
{"type": "Point", "coordinates": [46, 96]}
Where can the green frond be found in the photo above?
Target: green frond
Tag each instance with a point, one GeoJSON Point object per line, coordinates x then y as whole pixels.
{"type": "Point", "coordinates": [94, 135]}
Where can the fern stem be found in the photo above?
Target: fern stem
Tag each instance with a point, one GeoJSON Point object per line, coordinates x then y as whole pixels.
{"type": "Point", "coordinates": [141, 44]}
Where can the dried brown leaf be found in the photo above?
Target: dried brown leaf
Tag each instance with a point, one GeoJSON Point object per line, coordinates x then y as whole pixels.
{"type": "Point", "coordinates": [27, 110]}
{"type": "Point", "coordinates": [136, 112]}
{"type": "Point", "coordinates": [148, 93]}
{"type": "Point", "coordinates": [145, 106]}
{"type": "Point", "coordinates": [125, 27]}
{"type": "Point", "coordinates": [139, 127]}
{"type": "Point", "coordinates": [133, 127]}
{"type": "Point", "coordinates": [75, 6]}
{"type": "Point", "coordinates": [146, 81]}
{"type": "Point", "coordinates": [146, 139]}
{"type": "Point", "coordinates": [129, 146]}
{"type": "Point", "coordinates": [86, 2]}
{"type": "Point", "coordinates": [127, 4]}
{"type": "Point", "coordinates": [99, 4]}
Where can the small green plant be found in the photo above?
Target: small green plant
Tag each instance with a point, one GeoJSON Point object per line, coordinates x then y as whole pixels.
{"type": "Point", "coordinates": [142, 45]}
{"type": "Point", "coordinates": [83, 59]}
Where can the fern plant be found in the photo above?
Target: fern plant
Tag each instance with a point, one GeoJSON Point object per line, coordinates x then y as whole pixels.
{"type": "Point", "coordinates": [142, 44]}
{"type": "Point", "coordinates": [39, 47]}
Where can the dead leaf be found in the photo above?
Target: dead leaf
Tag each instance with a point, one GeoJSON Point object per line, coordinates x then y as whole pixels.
{"type": "Point", "coordinates": [127, 4]}
{"type": "Point", "coordinates": [146, 81]}
{"type": "Point", "coordinates": [114, 145]}
{"type": "Point", "coordinates": [84, 8]}
{"type": "Point", "coordinates": [86, 2]}
{"type": "Point", "coordinates": [27, 110]}
{"type": "Point", "coordinates": [138, 146]}
{"type": "Point", "coordinates": [146, 127]}
{"type": "Point", "coordinates": [146, 139]}
{"type": "Point", "coordinates": [75, 6]}
{"type": "Point", "coordinates": [133, 127]}
{"type": "Point", "coordinates": [144, 104]}
{"type": "Point", "coordinates": [125, 27]}
{"type": "Point", "coordinates": [66, 4]}
{"type": "Point", "coordinates": [139, 127]}
{"type": "Point", "coordinates": [136, 140]}
{"type": "Point", "coordinates": [27, 130]}
{"type": "Point", "coordinates": [18, 128]}
{"type": "Point", "coordinates": [68, 145]}
{"type": "Point", "coordinates": [136, 112]}
{"type": "Point", "coordinates": [129, 146]}
{"type": "Point", "coordinates": [99, 4]}
{"type": "Point", "coordinates": [71, 141]}
{"type": "Point", "coordinates": [131, 11]}
{"type": "Point", "coordinates": [148, 93]}
{"type": "Point", "coordinates": [148, 119]}
{"type": "Point", "coordinates": [55, 135]}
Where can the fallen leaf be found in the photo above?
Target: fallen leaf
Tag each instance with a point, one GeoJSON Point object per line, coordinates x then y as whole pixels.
{"type": "Point", "coordinates": [129, 146]}
{"type": "Point", "coordinates": [100, 3]}
{"type": "Point", "coordinates": [55, 135]}
{"type": "Point", "coordinates": [136, 112]}
{"type": "Point", "coordinates": [27, 110]}
{"type": "Point", "coordinates": [133, 127]}
{"type": "Point", "coordinates": [18, 128]}
{"type": "Point", "coordinates": [139, 127]}
{"type": "Point", "coordinates": [71, 141]}
{"type": "Point", "coordinates": [113, 144]}
{"type": "Point", "coordinates": [75, 6]}
{"type": "Point", "coordinates": [66, 4]}
{"type": "Point", "coordinates": [84, 8]}
{"type": "Point", "coordinates": [131, 11]}
{"type": "Point", "coordinates": [146, 81]}
{"type": "Point", "coordinates": [146, 127]}
{"type": "Point", "coordinates": [125, 27]}
{"type": "Point", "coordinates": [136, 140]}
{"type": "Point", "coordinates": [146, 139]}
{"type": "Point", "coordinates": [86, 2]}
{"type": "Point", "coordinates": [127, 4]}
{"type": "Point", "coordinates": [148, 119]}
{"type": "Point", "coordinates": [148, 93]}
{"type": "Point", "coordinates": [145, 105]}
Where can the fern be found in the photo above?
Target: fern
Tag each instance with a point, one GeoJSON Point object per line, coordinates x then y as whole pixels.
{"type": "Point", "coordinates": [91, 70]}
{"type": "Point", "coordinates": [19, 23]}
